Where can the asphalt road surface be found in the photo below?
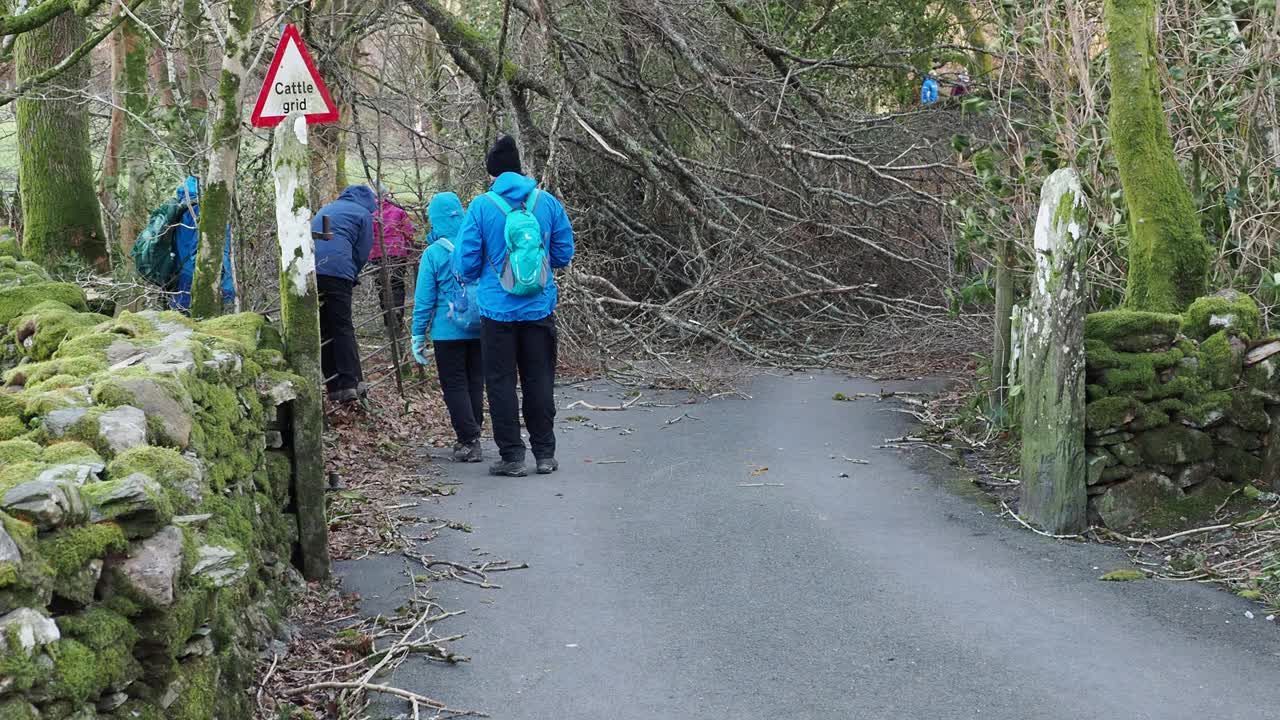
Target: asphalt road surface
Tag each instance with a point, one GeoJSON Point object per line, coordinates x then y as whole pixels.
{"type": "Point", "coordinates": [661, 587]}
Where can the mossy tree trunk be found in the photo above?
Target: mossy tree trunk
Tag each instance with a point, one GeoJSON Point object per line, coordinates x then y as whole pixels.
{"type": "Point", "coordinates": [61, 217]}
{"type": "Point", "coordinates": [1168, 256]}
{"type": "Point", "coordinates": [137, 104]}
{"type": "Point", "coordinates": [300, 318]}
{"type": "Point", "coordinates": [218, 193]}
{"type": "Point", "coordinates": [1054, 485]}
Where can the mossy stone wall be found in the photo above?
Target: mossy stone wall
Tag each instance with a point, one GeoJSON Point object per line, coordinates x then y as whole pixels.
{"type": "Point", "coordinates": [146, 526]}
{"type": "Point", "coordinates": [1179, 410]}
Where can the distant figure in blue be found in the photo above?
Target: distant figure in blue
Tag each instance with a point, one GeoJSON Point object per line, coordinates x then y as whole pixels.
{"type": "Point", "coordinates": [186, 240]}
{"type": "Point", "coordinates": [929, 91]}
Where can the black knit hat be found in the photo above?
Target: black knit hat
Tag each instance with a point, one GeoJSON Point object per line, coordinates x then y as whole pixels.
{"type": "Point", "coordinates": [503, 157]}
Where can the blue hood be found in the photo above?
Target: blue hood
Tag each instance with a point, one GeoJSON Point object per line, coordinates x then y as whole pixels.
{"type": "Point", "coordinates": [514, 187]}
{"type": "Point", "coordinates": [191, 186]}
{"type": "Point", "coordinates": [445, 213]}
{"type": "Point", "coordinates": [362, 195]}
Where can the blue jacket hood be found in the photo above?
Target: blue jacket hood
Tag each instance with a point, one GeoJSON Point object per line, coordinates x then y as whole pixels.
{"type": "Point", "coordinates": [445, 213]}
{"type": "Point", "coordinates": [514, 187]}
{"type": "Point", "coordinates": [190, 186]}
{"type": "Point", "coordinates": [362, 195]}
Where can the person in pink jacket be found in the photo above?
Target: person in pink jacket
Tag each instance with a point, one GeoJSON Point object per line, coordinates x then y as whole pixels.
{"type": "Point", "coordinates": [393, 241]}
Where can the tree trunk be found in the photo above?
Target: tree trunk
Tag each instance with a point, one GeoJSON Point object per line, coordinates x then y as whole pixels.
{"type": "Point", "coordinates": [1054, 489]}
{"type": "Point", "coordinates": [60, 210]}
{"type": "Point", "coordinates": [197, 53]}
{"type": "Point", "coordinates": [137, 143]}
{"type": "Point", "coordinates": [1168, 256]}
{"type": "Point", "coordinates": [109, 180]}
{"type": "Point", "coordinates": [219, 188]}
{"type": "Point", "coordinates": [300, 320]}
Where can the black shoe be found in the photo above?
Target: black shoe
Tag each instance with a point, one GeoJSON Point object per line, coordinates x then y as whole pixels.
{"type": "Point", "coordinates": [468, 452]}
{"type": "Point", "coordinates": [507, 468]}
{"type": "Point", "coordinates": [546, 466]}
{"type": "Point", "coordinates": [343, 397]}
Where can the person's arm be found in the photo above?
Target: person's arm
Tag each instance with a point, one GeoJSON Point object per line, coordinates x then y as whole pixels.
{"type": "Point", "coordinates": [364, 243]}
{"type": "Point", "coordinates": [424, 295]}
{"type": "Point", "coordinates": [468, 253]}
{"type": "Point", "coordinates": [562, 247]}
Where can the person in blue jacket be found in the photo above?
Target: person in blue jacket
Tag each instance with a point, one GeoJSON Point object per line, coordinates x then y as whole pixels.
{"type": "Point", "coordinates": [518, 334]}
{"type": "Point", "coordinates": [187, 240]}
{"type": "Point", "coordinates": [339, 260]}
{"type": "Point", "coordinates": [457, 349]}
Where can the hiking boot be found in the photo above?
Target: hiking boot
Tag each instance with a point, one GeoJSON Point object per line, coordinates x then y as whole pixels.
{"type": "Point", "coordinates": [343, 397]}
{"type": "Point", "coordinates": [468, 452]}
{"type": "Point", "coordinates": [509, 468]}
{"type": "Point", "coordinates": [546, 466]}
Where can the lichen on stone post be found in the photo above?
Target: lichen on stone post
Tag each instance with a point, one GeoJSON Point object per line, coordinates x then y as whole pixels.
{"type": "Point", "coordinates": [1054, 480]}
{"type": "Point", "coordinates": [1168, 256]}
{"type": "Point", "coordinates": [300, 320]}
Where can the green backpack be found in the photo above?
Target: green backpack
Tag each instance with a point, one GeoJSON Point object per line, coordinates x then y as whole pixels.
{"type": "Point", "coordinates": [527, 266]}
{"type": "Point", "coordinates": [154, 254]}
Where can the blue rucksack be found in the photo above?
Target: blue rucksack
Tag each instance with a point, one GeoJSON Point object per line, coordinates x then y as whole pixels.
{"type": "Point", "coordinates": [463, 310]}
{"type": "Point", "coordinates": [527, 266]}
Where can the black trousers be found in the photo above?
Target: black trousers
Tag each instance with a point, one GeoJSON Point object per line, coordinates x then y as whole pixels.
{"type": "Point", "coordinates": [529, 350]}
{"type": "Point", "coordinates": [462, 381]}
{"type": "Point", "coordinates": [339, 354]}
{"type": "Point", "coordinates": [393, 306]}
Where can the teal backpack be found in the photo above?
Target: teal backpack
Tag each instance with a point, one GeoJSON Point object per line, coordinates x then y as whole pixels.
{"type": "Point", "coordinates": [527, 266]}
{"type": "Point", "coordinates": [154, 254]}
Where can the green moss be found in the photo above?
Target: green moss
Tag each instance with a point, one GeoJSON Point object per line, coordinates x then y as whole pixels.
{"type": "Point", "coordinates": [58, 382]}
{"type": "Point", "coordinates": [1123, 576]}
{"type": "Point", "coordinates": [1175, 445]}
{"type": "Point", "coordinates": [11, 405]}
{"type": "Point", "coordinates": [200, 698]}
{"type": "Point", "coordinates": [1111, 412]}
{"type": "Point", "coordinates": [1248, 411]}
{"type": "Point", "coordinates": [99, 628]}
{"type": "Point", "coordinates": [1219, 366]}
{"type": "Point", "coordinates": [175, 473]}
{"type": "Point", "coordinates": [1122, 328]}
{"type": "Point", "coordinates": [24, 671]}
{"type": "Point", "coordinates": [17, 709]}
{"type": "Point", "coordinates": [43, 328]}
{"type": "Point", "coordinates": [243, 329]}
{"type": "Point", "coordinates": [69, 549]}
{"type": "Point", "coordinates": [39, 404]}
{"type": "Point", "coordinates": [1236, 308]}
{"type": "Point", "coordinates": [81, 673]}
{"type": "Point", "coordinates": [37, 372]}
{"type": "Point", "coordinates": [70, 451]}
{"type": "Point", "coordinates": [19, 451]}
{"type": "Point", "coordinates": [12, 427]}
{"type": "Point", "coordinates": [86, 346]}
{"type": "Point", "coordinates": [15, 301]}
{"type": "Point", "coordinates": [170, 630]}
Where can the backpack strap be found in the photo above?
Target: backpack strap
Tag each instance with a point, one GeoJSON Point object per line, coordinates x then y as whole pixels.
{"type": "Point", "coordinates": [498, 200]}
{"type": "Point", "coordinates": [445, 242]}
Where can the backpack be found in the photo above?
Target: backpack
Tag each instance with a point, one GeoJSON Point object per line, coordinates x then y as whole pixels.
{"type": "Point", "coordinates": [153, 252]}
{"type": "Point", "coordinates": [463, 310]}
{"type": "Point", "coordinates": [527, 266]}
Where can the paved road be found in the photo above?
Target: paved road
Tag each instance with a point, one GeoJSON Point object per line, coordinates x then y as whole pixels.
{"type": "Point", "coordinates": [659, 588]}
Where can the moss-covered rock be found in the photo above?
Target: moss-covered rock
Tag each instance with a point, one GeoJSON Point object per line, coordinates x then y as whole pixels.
{"type": "Point", "coordinates": [1229, 311]}
{"type": "Point", "coordinates": [1111, 412]}
{"type": "Point", "coordinates": [1126, 504]}
{"type": "Point", "coordinates": [1175, 445]}
{"type": "Point", "coordinates": [1237, 465]}
{"type": "Point", "coordinates": [1220, 364]}
{"type": "Point", "coordinates": [16, 300]}
{"type": "Point", "coordinates": [40, 330]}
{"type": "Point", "coordinates": [180, 477]}
{"type": "Point", "coordinates": [1132, 331]}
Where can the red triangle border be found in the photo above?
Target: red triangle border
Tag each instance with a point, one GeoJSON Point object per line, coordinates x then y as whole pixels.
{"type": "Point", "coordinates": [331, 112]}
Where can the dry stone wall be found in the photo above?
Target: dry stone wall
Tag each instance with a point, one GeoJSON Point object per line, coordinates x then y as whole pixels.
{"type": "Point", "coordinates": [146, 534]}
{"type": "Point", "coordinates": [1182, 410]}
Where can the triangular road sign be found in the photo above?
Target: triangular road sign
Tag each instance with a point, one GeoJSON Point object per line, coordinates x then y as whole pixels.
{"type": "Point", "coordinates": [292, 84]}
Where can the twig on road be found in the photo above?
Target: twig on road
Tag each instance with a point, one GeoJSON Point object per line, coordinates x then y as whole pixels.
{"type": "Point", "coordinates": [755, 485]}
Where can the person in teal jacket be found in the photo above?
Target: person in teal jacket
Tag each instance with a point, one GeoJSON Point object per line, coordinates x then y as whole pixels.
{"type": "Point", "coordinates": [457, 351]}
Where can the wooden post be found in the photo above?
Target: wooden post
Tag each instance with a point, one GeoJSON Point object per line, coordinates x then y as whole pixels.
{"type": "Point", "coordinates": [1054, 485]}
{"type": "Point", "coordinates": [300, 321]}
{"type": "Point", "coordinates": [1000, 350]}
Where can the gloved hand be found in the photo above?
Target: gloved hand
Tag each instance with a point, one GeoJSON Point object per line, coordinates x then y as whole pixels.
{"type": "Point", "coordinates": [419, 348]}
